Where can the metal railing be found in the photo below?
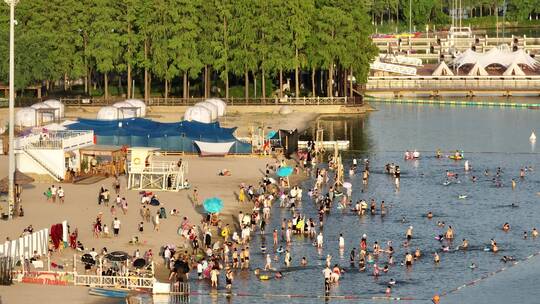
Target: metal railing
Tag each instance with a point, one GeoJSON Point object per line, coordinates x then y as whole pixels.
{"type": "Point", "coordinates": [129, 282]}
{"type": "Point", "coordinates": [55, 139]}
{"type": "Point", "coordinates": [176, 101]}
{"type": "Point", "coordinates": [430, 83]}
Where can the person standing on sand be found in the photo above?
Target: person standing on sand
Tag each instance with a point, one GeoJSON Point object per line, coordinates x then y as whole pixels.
{"type": "Point", "coordinates": [61, 195]}
{"type": "Point", "coordinates": [124, 205]}
{"type": "Point", "coordinates": [116, 184]}
{"type": "Point", "coordinates": [195, 197]}
{"type": "Point", "coordinates": [242, 195]}
{"type": "Point", "coordinates": [116, 226]}
{"type": "Point", "coordinates": [53, 193]}
{"type": "Point", "coordinates": [156, 221]}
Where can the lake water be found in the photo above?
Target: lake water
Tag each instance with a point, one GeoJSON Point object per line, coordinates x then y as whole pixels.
{"type": "Point", "coordinates": [490, 137]}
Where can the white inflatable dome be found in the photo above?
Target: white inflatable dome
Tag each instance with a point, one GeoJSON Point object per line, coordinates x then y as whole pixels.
{"type": "Point", "coordinates": [199, 114]}
{"type": "Point", "coordinates": [45, 117]}
{"type": "Point", "coordinates": [53, 103]}
{"type": "Point", "coordinates": [125, 110]}
{"type": "Point", "coordinates": [138, 103]}
{"type": "Point", "coordinates": [211, 107]}
{"type": "Point", "coordinates": [220, 104]}
{"type": "Point", "coordinates": [109, 113]}
{"type": "Point", "coordinates": [26, 117]}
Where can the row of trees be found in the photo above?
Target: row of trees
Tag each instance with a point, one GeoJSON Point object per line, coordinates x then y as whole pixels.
{"type": "Point", "coordinates": [439, 11]}
{"type": "Point", "coordinates": [185, 41]}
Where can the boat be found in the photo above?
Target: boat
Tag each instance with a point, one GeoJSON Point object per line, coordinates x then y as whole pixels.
{"type": "Point", "coordinates": [109, 293]}
{"type": "Point", "coordinates": [532, 138]}
{"type": "Point", "coordinates": [214, 148]}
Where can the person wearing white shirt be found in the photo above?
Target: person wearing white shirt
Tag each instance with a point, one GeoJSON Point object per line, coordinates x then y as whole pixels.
{"type": "Point", "coordinates": [116, 226]}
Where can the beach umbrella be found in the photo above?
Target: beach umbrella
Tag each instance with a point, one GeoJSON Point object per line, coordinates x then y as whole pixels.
{"type": "Point", "coordinates": [284, 171]}
{"type": "Point", "coordinates": [271, 134]}
{"type": "Point", "coordinates": [213, 204]}
{"type": "Point", "coordinates": [88, 259]}
{"type": "Point", "coordinates": [347, 185]}
{"type": "Point", "coordinates": [117, 256]}
{"type": "Point", "coordinates": [139, 263]}
{"type": "Point", "coordinates": [20, 179]}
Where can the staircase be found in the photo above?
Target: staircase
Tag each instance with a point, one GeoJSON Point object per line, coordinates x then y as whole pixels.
{"type": "Point", "coordinates": [51, 172]}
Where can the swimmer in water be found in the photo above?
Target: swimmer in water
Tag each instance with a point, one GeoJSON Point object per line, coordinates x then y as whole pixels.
{"type": "Point", "coordinates": [524, 235]}
{"type": "Point", "coordinates": [506, 227]}
{"type": "Point", "coordinates": [534, 233]}
{"type": "Point", "coordinates": [473, 266]}
{"type": "Point", "coordinates": [436, 258]}
{"type": "Point", "coordinates": [464, 244]}
{"type": "Point", "coordinates": [430, 215]}
{"type": "Point", "coordinates": [392, 282]}
{"type": "Point", "coordinates": [303, 262]}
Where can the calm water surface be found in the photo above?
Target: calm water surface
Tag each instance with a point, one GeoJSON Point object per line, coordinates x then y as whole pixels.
{"type": "Point", "coordinates": [490, 137]}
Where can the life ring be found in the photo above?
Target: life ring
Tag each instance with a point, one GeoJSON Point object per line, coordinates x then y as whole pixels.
{"type": "Point", "coordinates": [136, 161]}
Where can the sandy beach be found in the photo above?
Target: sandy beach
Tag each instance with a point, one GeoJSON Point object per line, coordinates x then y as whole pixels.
{"type": "Point", "coordinates": [81, 208]}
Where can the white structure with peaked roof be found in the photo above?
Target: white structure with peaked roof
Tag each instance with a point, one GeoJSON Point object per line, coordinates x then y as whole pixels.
{"type": "Point", "coordinates": [501, 55]}
{"type": "Point", "coordinates": [514, 70]}
{"type": "Point", "coordinates": [478, 70]}
{"type": "Point", "coordinates": [442, 70]}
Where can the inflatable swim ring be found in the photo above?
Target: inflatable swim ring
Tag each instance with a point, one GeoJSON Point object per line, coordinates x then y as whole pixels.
{"type": "Point", "coordinates": [455, 157]}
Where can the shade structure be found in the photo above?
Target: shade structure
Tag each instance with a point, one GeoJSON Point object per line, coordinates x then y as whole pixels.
{"type": "Point", "coordinates": [442, 70]}
{"type": "Point", "coordinates": [109, 113]}
{"type": "Point", "coordinates": [139, 263]}
{"type": "Point", "coordinates": [117, 256]}
{"type": "Point", "coordinates": [139, 104]}
{"type": "Point", "coordinates": [20, 179]}
{"type": "Point", "coordinates": [56, 104]}
{"type": "Point", "coordinates": [501, 55]}
{"type": "Point", "coordinates": [88, 259]}
{"type": "Point", "coordinates": [26, 117]}
{"type": "Point", "coordinates": [284, 171]}
{"type": "Point", "coordinates": [214, 111]}
{"type": "Point", "coordinates": [127, 109]}
{"type": "Point", "coordinates": [220, 104]}
{"type": "Point", "coordinates": [514, 70]}
{"type": "Point", "coordinates": [199, 114]}
{"type": "Point", "coordinates": [213, 205]}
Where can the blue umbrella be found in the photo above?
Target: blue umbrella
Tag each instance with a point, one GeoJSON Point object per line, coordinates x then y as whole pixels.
{"type": "Point", "coordinates": [271, 134]}
{"type": "Point", "coordinates": [213, 205]}
{"type": "Point", "coordinates": [284, 171]}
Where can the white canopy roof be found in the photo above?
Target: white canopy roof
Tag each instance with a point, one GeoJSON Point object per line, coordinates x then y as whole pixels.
{"type": "Point", "coordinates": [442, 70]}
{"type": "Point", "coordinates": [514, 70]}
{"type": "Point", "coordinates": [478, 70]}
{"type": "Point", "coordinates": [500, 55]}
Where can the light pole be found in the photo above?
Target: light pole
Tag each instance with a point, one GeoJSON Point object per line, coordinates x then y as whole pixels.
{"type": "Point", "coordinates": [11, 170]}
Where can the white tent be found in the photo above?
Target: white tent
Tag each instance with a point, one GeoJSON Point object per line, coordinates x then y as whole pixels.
{"type": "Point", "coordinates": [109, 113]}
{"type": "Point", "coordinates": [139, 104]}
{"type": "Point", "coordinates": [26, 117]}
{"type": "Point", "coordinates": [478, 70]}
{"type": "Point", "coordinates": [514, 70]}
{"type": "Point", "coordinates": [128, 110]}
{"type": "Point", "coordinates": [56, 104]}
{"type": "Point", "coordinates": [501, 55]}
{"type": "Point", "coordinates": [46, 116]}
{"type": "Point", "coordinates": [211, 107]}
{"type": "Point", "coordinates": [442, 70]}
{"type": "Point", "coordinates": [199, 114]}
{"type": "Point", "coordinates": [220, 104]}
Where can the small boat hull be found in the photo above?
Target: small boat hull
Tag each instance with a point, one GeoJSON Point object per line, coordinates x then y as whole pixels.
{"type": "Point", "coordinates": [214, 149]}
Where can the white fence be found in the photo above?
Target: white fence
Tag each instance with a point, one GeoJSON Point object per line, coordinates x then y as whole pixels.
{"type": "Point", "coordinates": [25, 246]}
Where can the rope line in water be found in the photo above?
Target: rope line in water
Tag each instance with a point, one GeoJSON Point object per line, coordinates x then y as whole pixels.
{"type": "Point", "coordinates": [455, 103]}
{"type": "Point", "coordinates": [489, 275]}
{"type": "Point", "coordinates": [291, 296]}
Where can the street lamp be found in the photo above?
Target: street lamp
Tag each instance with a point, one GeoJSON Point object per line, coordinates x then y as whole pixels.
{"type": "Point", "coordinates": [11, 170]}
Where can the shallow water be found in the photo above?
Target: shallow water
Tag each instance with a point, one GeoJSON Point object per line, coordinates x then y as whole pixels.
{"type": "Point", "coordinates": [490, 137]}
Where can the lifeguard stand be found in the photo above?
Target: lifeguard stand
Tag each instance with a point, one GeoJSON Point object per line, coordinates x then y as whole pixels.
{"type": "Point", "coordinates": [145, 173]}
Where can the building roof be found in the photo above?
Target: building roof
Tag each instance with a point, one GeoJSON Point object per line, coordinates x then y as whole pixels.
{"type": "Point", "coordinates": [501, 55]}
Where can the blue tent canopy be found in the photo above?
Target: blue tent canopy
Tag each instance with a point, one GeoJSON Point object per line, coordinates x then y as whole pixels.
{"type": "Point", "coordinates": [177, 136]}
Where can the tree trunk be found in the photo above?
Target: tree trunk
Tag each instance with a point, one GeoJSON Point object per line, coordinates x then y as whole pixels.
{"type": "Point", "coordinates": [209, 81]}
{"type": "Point", "coordinates": [313, 91]}
{"type": "Point", "coordinates": [263, 82]}
{"type": "Point", "coordinates": [120, 87]}
{"type": "Point", "coordinates": [280, 83]}
{"type": "Point", "coordinates": [185, 89]}
{"type": "Point", "coordinates": [330, 88]}
{"type": "Point", "coordinates": [254, 85]}
{"type": "Point", "coordinates": [205, 81]}
{"type": "Point", "coordinates": [146, 78]}
{"type": "Point", "coordinates": [246, 84]}
{"type": "Point", "coordinates": [129, 81]}
{"type": "Point", "coordinates": [166, 89]}
{"type": "Point", "coordinates": [65, 82]}
{"type": "Point", "coordinates": [351, 82]}
{"type": "Point", "coordinates": [296, 77]}
{"type": "Point", "coordinates": [226, 84]}
{"type": "Point", "coordinates": [106, 84]}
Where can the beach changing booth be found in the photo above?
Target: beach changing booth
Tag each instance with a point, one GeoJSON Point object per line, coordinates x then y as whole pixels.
{"type": "Point", "coordinates": [145, 172]}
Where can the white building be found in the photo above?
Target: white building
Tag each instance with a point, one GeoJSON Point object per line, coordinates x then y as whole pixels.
{"type": "Point", "coordinates": [50, 152]}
